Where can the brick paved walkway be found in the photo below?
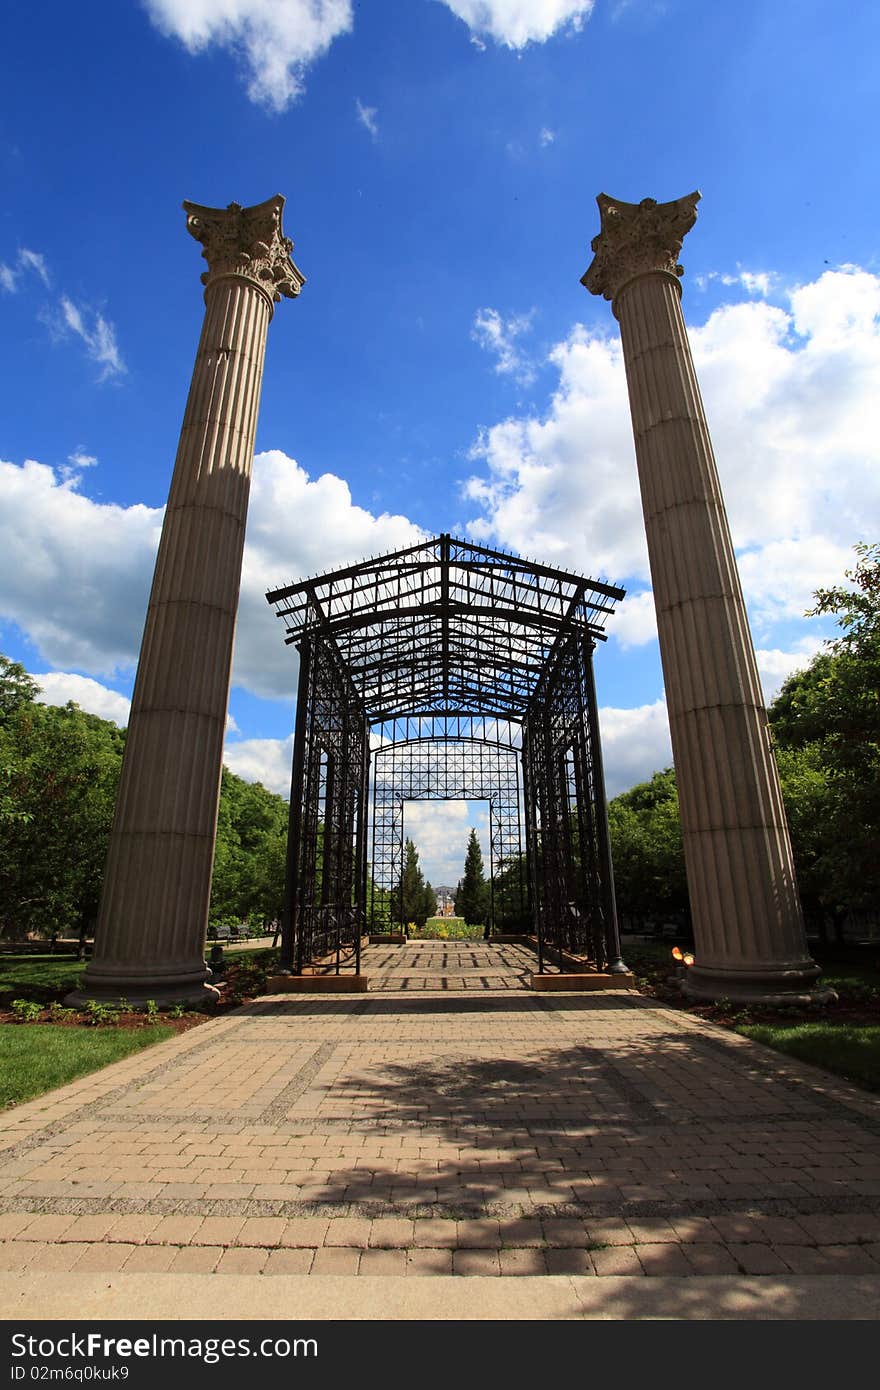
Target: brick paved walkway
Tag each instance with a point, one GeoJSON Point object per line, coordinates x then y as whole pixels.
{"type": "Point", "coordinates": [449, 1122]}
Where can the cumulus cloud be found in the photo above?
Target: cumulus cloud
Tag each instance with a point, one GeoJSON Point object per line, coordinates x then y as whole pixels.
{"type": "Point", "coordinates": [277, 40]}
{"type": "Point", "coordinates": [517, 23]}
{"type": "Point", "coordinates": [440, 832]}
{"type": "Point", "coordinates": [792, 394]}
{"type": "Point", "coordinates": [266, 760]}
{"type": "Point", "coordinates": [775, 666]}
{"type": "Point", "coordinates": [75, 573]}
{"type": "Point", "coordinates": [367, 117]}
{"type": "Point", "coordinates": [498, 336]}
{"type": "Point", "coordinates": [635, 744]}
{"type": "Point", "coordinates": [546, 136]}
{"type": "Point", "coordinates": [57, 687]}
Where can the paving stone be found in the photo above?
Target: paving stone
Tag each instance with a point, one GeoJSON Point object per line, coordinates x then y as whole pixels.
{"type": "Point", "coordinates": [304, 1232]}
{"type": "Point", "coordinates": [437, 1234]}
{"type": "Point", "coordinates": [475, 1262]}
{"type": "Point", "coordinates": [424, 1262]}
{"type": "Point", "coordinates": [195, 1259]}
{"type": "Point", "coordinates": [391, 1233]}
{"type": "Point", "coordinates": [150, 1259]}
{"type": "Point", "coordinates": [617, 1259]}
{"type": "Point", "coordinates": [58, 1258]}
{"type": "Point", "coordinates": [175, 1230]}
{"type": "Point", "coordinates": [350, 1231]}
{"type": "Point", "coordinates": [218, 1230]}
{"type": "Point", "coordinates": [132, 1230]}
{"type": "Point", "coordinates": [289, 1261]}
{"type": "Point", "coordinates": [526, 1260]}
{"type": "Point", "coordinates": [757, 1259]}
{"type": "Point", "coordinates": [104, 1258]}
{"type": "Point", "coordinates": [663, 1258]}
{"type": "Point", "coordinates": [479, 1234]}
{"type": "Point", "coordinates": [827, 1259]}
{"type": "Point", "coordinates": [262, 1231]}
{"type": "Point", "coordinates": [45, 1228]}
{"type": "Point", "coordinates": [336, 1260]}
{"type": "Point", "coordinates": [383, 1262]}
{"type": "Point", "coordinates": [568, 1261]}
{"type": "Point", "coordinates": [707, 1258]}
{"type": "Point", "coordinates": [242, 1260]}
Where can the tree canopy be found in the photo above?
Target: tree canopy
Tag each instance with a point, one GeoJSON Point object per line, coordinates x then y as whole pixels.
{"type": "Point", "coordinates": [59, 770]}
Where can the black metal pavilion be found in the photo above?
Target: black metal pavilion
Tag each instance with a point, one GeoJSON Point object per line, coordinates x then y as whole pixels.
{"type": "Point", "coordinates": [450, 671]}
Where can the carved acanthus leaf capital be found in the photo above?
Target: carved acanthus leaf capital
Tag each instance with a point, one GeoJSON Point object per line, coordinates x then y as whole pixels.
{"type": "Point", "coordinates": [636, 239]}
{"type": "Point", "coordinates": [248, 242]}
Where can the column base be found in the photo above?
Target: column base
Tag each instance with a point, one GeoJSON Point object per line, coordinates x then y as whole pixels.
{"type": "Point", "coordinates": [106, 986]}
{"type": "Point", "coordinates": [780, 984]}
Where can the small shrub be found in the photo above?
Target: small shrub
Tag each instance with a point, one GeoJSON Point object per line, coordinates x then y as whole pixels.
{"type": "Point", "coordinates": [26, 1010]}
{"type": "Point", "coordinates": [177, 1011]}
{"type": "Point", "coordinates": [101, 1015]}
{"type": "Point", "coordinates": [151, 1009]}
{"type": "Point", "coordinates": [58, 1013]}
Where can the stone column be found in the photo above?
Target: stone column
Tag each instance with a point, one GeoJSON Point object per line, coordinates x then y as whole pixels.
{"type": "Point", "coordinates": [154, 910]}
{"type": "Point", "coordinates": [748, 927]}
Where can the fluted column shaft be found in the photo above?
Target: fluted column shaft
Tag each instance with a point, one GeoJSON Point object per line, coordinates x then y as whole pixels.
{"type": "Point", "coordinates": [748, 926]}
{"type": "Point", "coordinates": [154, 910]}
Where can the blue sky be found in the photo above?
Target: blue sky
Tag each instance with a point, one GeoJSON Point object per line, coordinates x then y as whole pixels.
{"type": "Point", "coordinates": [443, 369]}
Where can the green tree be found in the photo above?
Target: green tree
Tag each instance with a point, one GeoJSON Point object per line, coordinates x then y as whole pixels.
{"type": "Point", "coordinates": [60, 769]}
{"type": "Point", "coordinates": [249, 859]}
{"type": "Point", "coordinates": [472, 893]}
{"type": "Point", "coordinates": [429, 906]}
{"type": "Point", "coordinates": [647, 849]}
{"type": "Point", "coordinates": [830, 715]}
{"type": "Point", "coordinates": [409, 899]}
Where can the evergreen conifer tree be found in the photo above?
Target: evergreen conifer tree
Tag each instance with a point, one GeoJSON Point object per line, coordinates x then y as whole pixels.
{"type": "Point", "coordinates": [472, 893]}
{"type": "Point", "coordinates": [410, 896]}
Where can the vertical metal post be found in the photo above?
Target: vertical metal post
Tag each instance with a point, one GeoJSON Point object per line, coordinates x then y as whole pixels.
{"type": "Point", "coordinates": [616, 965]}
{"type": "Point", "coordinates": [361, 852]}
{"type": "Point", "coordinates": [292, 885]}
{"type": "Point", "coordinates": [532, 845]}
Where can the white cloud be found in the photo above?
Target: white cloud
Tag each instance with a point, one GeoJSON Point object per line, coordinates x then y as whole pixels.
{"type": "Point", "coordinates": [546, 136]}
{"type": "Point", "coordinates": [278, 40]}
{"type": "Point", "coordinates": [75, 573]}
{"type": "Point", "coordinates": [367, 117]}
{"type": "Point", "coordinates": [440, 832]}
{"type": "Point", "coordinates": [635, 620]}
{"type": "Point", "coordinates": [516, 23]}
{"type": "Point", "coordinates": [757, 283]}
{"type": "Point", "coordinates": [266, 760]}
{"type": "Point", "coordinates": [57, 687]}
{"type": "Point", "coordinates": [775, 666]}
{"type": "Point", "coordinates": [499, 337]}
{"type": "Point", "coordinates": [32, 260]}
{"type": "Point", "coordinates": [635, 744]}
{"type": "Point", "coordinates": [99, 337]}
{"type": "Point", "coordinates": [10, 277]}
{"type": "Point", "coordinates": [793, 401]}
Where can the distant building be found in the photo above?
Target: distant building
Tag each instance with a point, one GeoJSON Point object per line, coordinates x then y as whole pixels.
{"type": "Point", "coordinates": [445, 902]}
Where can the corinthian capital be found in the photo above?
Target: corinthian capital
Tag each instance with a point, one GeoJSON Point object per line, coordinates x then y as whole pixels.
{"type": "Point", "coordinates": [636, 239]}
{"type": "Point", "coordinates": [247, 242]}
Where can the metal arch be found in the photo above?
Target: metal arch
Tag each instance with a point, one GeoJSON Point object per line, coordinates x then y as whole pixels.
{"type": "Point", "coordinates": [469, 672]}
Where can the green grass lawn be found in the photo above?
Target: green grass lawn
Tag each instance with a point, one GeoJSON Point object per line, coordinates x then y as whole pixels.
{"type": "Point", "coordinates": [37, 1057]}
{"type": "Point", "coordinates": [38, 976]}
{"type": "Point", "coordinates": [846, 1049]}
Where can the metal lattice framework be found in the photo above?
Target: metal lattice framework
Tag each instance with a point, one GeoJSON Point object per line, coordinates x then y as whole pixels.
{"type": "Point", "coordinates": [468, 672]}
